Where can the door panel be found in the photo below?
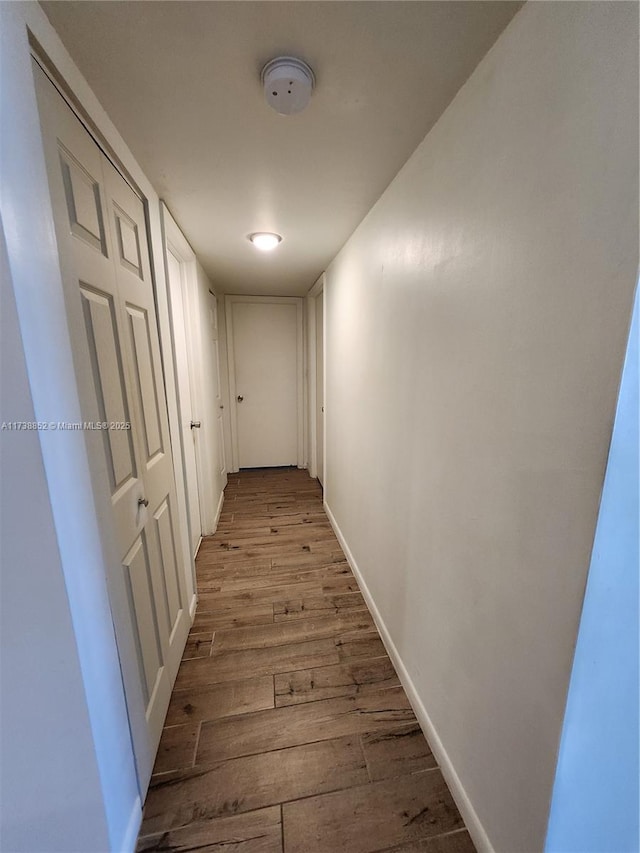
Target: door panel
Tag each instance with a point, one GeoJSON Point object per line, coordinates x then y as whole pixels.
{"type": "Point", "coordinates": [145, 382]}
{"type": "Point", "coordinates": [164, 529]}
{"type": "Point", "coordinates": [101, 234]}
{"type": "Point", "coordinates": [84, 206]}
{"type": "Point", "coordinates": [128, 242]}
{"type": "Point", "coordinates": [108, 380]}
{"type": "Point", "coordinates": [136, 566]}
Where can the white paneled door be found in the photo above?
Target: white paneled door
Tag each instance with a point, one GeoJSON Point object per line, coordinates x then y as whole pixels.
{"type": "Point", "coordinates": [215, 349]}
{"type": "Point", "coordinates": [265, 357]}
{"type": "Point", "coordinates": [101, 234]}
{"type": "Point", "coordinates": [190, 425]}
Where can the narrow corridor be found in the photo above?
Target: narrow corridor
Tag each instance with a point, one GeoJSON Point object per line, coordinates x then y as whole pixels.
{"type": "Point", "coordinates": [288, 728]}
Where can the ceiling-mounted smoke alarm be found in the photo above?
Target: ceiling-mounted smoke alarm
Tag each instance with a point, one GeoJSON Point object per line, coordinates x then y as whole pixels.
{"type": "Point", "coordinates": [288, 83]}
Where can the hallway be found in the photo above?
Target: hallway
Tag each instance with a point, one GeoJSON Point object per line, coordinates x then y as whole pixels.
{"type": "Point", "coordinates": [288, 728]}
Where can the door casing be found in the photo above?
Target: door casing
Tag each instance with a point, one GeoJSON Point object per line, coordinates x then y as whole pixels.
{"type": "Point", "coordinates": [316, 396]}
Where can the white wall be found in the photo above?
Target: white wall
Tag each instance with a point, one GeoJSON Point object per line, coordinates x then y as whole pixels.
{"type": "Point", "coordinates": [51, 793]}
{"type": "Point", "coordinates": [476, 327]}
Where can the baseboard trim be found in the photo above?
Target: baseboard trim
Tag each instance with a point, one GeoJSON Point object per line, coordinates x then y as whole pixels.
{"type": "Point", "coordinates": [130, 839]}
{"type": "Point", "coordinates": [459, 794]}
{"type": "Point", "coordinates": [198, 547]}
{"type": "Point", "coordinates": [192, 607]}
{"type": "Point", "coordinates": [216, 520]}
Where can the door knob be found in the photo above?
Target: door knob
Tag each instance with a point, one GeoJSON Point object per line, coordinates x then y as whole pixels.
{"type": "Point", "coordinates": [195, 424]}
{"type": "Point", "coordinates": [240, 398]}
{"type": "Point", "coordinates": [222, 407]}
{"type": "Point", "coordinates": [143, 502]}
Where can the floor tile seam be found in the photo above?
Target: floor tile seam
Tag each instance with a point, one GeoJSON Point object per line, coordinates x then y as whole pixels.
{"type": "Point", "coordinates": [218, 762]}
{"type": "Point", "coordinates": [289, 550]}
{"type": "Point", "coordinates": [298, 620]}
{"type": "Point", "coordinates": [339, 663]}
{"type": "Point", "coordinates": [365, 785]}
{"type": "Point", "coordinates": [293, 800]}
{"type": "Point", "coordinates": [248, 714]}
{"type": "Point", "coordinates": [345, 636]}
{"type": "Point", "coordinates": [324, 558]}
{"type": "Point", "coordinates": [278, 583]}
{"type": "Point", "coordinates": [281, 829]}
{"type": "Point", "coordinates": [215, 684]}
{"type": "Point", "coordinates": [245, 527]}
{"type": "Point", "coordinates": [219, 571]}
{"type": "Point", "coordinates": [267, 805]}
{"type": "Point", "coordinates": [195, 751]}
{"type": "Point", "coordinates": [339, 696]}
{"type": "Point", "coordinates": [206, 821]}
{"type": "Point", "coordinates": [364, 756]}
{"type": "Point", "coordinates": [275, 674]}
{"type": "Point", "coordinates": [273, 538]}
{"type": "Point", "coordinates": [397, 847]}
{"type": "Point", "coordinates": [349, 787]}
{"type": "Point", "coordinates": [338, 631]}
{"type": "Point", "coordinates": [221, 579]}
{"type": "Point", "coordinates": [215, 763]}
{"type": "Point", "coordinates": [289, 620]}
{"type": "Point", "coordinates": [268, 521]}
{"type": "Point", "coordinates": [320, 584]}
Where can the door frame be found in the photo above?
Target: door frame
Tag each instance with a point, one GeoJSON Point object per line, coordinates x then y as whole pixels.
{"type": "Point", "coordinates": [315, 394]}
{"type": "Point", "coordinates": [230, 301]}
{"type": "Point", "coordinates": [175, 242]}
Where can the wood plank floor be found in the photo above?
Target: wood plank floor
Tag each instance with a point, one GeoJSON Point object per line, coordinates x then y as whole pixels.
{"type": "Point", "coordinates": [288, 730]}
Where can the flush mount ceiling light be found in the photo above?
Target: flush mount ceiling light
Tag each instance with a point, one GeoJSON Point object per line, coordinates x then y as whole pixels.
{"type": "Point", "coordinates": [265, 240]}
{"type": "Point", "coordinates": [288, 83]}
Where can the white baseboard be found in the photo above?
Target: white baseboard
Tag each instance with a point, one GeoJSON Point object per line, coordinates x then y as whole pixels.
{"type": "Point", "coordinates": [128, 844]}
{"type": "Point", "coordinates": [218, 511]}
{"type": "Point", "coordinates": [192, 607]}
{"type": "Point", "coordinates": [469, 815]}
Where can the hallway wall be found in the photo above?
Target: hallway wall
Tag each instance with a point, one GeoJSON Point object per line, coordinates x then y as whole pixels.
{"type": "Point", "coordinates": [476, 329]}
{"type": "Point", "coordinates": [52, 797]}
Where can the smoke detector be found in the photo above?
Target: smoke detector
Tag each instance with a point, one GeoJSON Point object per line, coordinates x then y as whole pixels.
{"type": "Point", "coordinates": [288, 83]}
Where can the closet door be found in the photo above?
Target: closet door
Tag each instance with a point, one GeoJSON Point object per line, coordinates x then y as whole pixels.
{"type": "Point", "coordinates": [101, 234]}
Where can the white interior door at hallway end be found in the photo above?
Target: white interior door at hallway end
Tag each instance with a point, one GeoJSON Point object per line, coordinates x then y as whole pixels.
{"type": "Point", "coordinates": [101, 236]}
{"type": "Point", "coordinates": [266, 340]}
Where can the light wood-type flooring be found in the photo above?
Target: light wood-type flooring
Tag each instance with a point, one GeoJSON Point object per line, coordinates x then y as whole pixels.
{"type": "Point", "coordinates": [288, 730]}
